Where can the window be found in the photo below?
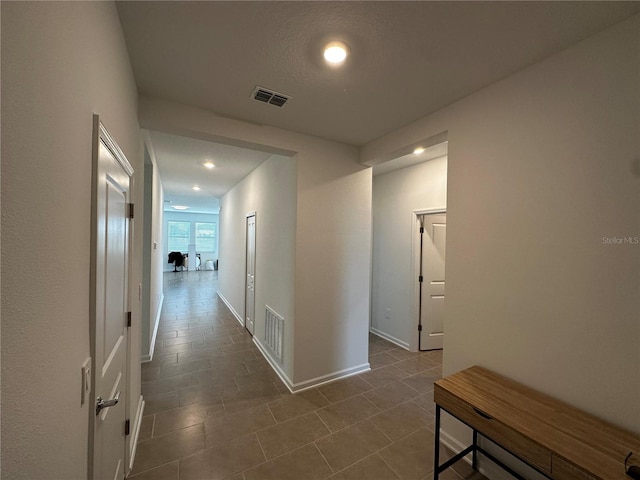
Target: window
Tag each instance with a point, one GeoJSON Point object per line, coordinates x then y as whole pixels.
{"type": "Point", "coordinates": [179, 236]}
{"type": "Point", "coordinates": [205, 237]}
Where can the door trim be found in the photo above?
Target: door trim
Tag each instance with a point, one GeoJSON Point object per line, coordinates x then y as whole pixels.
{"type": "Point", "coordinates": [101, 135]}
{"type": "Point", "coordinates": [415, 270]}
{"type": "Point", "coordinates": [111, 145]}
{"type": "Point", "coordinates": [246, 261]}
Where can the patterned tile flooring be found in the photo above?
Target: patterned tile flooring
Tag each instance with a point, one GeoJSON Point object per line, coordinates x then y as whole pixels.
{"type": "Point", "coordinates": [216, 410]}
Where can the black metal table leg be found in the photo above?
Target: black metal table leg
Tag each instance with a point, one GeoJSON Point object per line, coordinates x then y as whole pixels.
{"type": "Point", "coordinates": [436, 446]}
{"type": "Point", "coordinates": [474, 457]}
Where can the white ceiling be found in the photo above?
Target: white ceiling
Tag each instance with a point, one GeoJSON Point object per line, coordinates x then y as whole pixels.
{"type": "Point", "coordinates": [408, 59]}
{"type": "Point", "coordinates": [180, 162]}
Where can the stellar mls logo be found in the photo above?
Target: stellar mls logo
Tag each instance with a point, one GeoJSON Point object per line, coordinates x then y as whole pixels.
{"type": "Point", "coordinates": [620, 240]}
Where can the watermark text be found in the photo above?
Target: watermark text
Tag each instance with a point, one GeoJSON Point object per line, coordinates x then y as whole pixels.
{"type": "Point", "coordinates": [621, 240]}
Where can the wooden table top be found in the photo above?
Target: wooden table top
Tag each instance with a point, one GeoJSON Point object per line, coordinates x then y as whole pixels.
{"type": "Point", "coordinates": [572, 434]}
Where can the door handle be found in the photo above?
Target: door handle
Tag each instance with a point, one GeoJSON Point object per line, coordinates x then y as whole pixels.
{"type": "Point", "coordinates": [102, 404]}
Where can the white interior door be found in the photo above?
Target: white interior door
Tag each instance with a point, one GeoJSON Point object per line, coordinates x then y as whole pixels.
{"type": "Point", "coordinates": [110, 268]}
{"type": "Point", "coordinates": [250, 297]}
{"type": "Point", "coordinates": [434, 239]}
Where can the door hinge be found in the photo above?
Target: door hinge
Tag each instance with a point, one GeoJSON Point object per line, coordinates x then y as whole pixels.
{"type": "Point", "coordinates": [420, 278]}
{"type": "Point", "coordinates": [421, 229]}
{"type": "Point", "coordinates": [130, 210]}
{"type": "Point", "coordinates": [128, 319]}
{"type": "Point", "coordinates": [127, 427]}
{"type": "Point", "coordinates": [419, 328]}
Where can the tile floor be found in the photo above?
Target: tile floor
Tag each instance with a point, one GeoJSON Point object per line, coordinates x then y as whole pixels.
{"type": "Point", "coordinates": [216, 410]}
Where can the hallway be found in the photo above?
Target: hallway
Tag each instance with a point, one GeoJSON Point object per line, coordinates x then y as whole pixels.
{"type": "Point", "coordinates": [215, 409]}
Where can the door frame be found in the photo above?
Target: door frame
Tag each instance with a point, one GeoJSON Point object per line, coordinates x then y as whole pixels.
{"type": "Point", "coordinates": [246, 262]}
{"type": "Point", "coordinates": [415, 270]}
{"type": "Point", "coordinates": [100, 134]}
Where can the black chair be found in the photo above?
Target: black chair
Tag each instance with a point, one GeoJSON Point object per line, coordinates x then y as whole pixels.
{"type": "Point", "coordinates": [177, 259]}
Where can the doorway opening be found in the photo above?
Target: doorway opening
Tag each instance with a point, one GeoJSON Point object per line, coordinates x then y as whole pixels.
{"type": "Point", "coordinates": [410, 184]}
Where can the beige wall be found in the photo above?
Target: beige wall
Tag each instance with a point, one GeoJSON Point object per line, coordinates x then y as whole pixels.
{"type": "Point", "coordinates": [270, 192]}
{"type": "Point", "coordinates": [333, 264]}
{"type": "Point", "coordinates": [542, 166]}
{"type": "Point", "coordinates": [157, 258]}
{"type": "Point", "coordinates": [333, 234]}
{"type": "Point", "coordinates": [61, 63]}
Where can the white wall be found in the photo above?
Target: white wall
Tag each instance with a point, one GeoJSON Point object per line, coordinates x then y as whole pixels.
{"type": "Point", "coordinates": [542, 166]}
{"type": "Point", "coordinates": [158, 257]}
{"type": "Point", "coordinates": [147, 253]}
{"type": "Point", "coordinates": [155, 250]}
{"type": "Point", "coordinates": [333, 267]}
{"type": "Point", "coordinates": [270, 191]}
{"type": "Point", "coordinates": [333, 234]}
{"type": "Point", "coordinates": [396, 195]}
{"type": "Point", "coordinates": [61, 63]}
{"type": "Point", "coordinates": [193, 218]}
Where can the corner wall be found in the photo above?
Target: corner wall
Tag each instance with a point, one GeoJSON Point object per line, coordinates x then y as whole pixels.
{"type": "Point", "coordinates": [61, 63]}
{"type": "Point", "coordinates": [543, 168]}
{"type": "Point", "coordinates": [333, 265]}
{"type": "Point", "coordinates": [156, 250]}
{"type": "Point", "coordinates": [270, 191]}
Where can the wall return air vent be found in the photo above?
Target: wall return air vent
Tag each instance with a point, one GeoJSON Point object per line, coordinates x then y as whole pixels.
{"type": "Point", "coordinates": [265, 95]}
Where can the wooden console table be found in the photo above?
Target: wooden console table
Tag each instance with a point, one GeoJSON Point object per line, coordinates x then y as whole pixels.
{"type": "Point", "coordinates": [556, 439]}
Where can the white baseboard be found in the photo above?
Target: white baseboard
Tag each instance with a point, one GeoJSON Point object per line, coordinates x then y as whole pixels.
{"type": "Point", "coordinates": [137, 422]}
{"type": "Point", "coordinates": [314, 382]}
{"type": "Point", "coordinates": [276, 367]}
{"type": "Point", "coordinates": [152, 346]}
{"type": "Point", "coordinates": [453, 444]}
{"type": "Point", "coordinates": [389, 338]}
{"type": "Point", "coordinates": [233, 311]}
{"type": "Point", "coordinates": [330, 377]}
{"type": "Point", "coordinates": [485, 466]}
{"type": "Point", "coordinates": [491, 470]}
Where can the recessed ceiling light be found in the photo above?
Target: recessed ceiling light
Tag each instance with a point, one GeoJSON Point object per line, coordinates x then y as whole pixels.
{"type": "Point", "coordinates": [179, 207]}
{"type": "Point", "coordinates": [418, 150]}
{"type": "Point", "coordinates": [335, 53]}
{"type": "Point", "coordinates": [195, 187]}
{"type": "Point", "coordinates": [209, 165]}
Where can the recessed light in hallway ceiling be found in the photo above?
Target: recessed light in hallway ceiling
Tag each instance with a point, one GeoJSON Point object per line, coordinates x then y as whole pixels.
{"type": "Point", "coordinates": [335, 53]}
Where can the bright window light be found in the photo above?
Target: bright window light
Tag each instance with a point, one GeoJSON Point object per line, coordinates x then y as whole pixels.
{"type": "Point", "coordinates": [205, 237]}
{"type": "Point", "coordinates": [178, 236]}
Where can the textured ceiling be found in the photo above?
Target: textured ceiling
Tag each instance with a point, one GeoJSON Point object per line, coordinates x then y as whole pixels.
{"type": "Point", "coordinates": [408, 59]}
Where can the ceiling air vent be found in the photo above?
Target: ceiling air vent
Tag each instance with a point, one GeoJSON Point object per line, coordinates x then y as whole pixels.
{"type": "Point", "coordinates": [265, 95]}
